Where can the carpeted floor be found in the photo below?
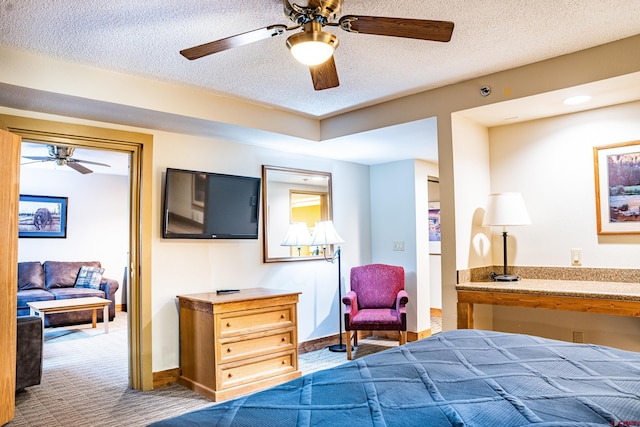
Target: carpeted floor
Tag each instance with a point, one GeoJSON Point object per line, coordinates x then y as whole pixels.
{"type": "Point", "coordinates": [85, 381]}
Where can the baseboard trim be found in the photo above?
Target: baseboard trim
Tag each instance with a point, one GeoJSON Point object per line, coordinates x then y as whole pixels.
{"type": "Point", "coordinates": [165, 378]}
{"type": "Point", "coordinates": [317, 344]}
{"type": "Point", "coordinates": [415, 336]}
{"type": "Point", "coordinates": [170, 376]}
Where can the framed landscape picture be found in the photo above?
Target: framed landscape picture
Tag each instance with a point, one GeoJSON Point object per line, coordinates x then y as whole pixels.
{"type": "Point", "coordinates": [42, 216]}
{"type": "Point", "coordinates": [617, 179]}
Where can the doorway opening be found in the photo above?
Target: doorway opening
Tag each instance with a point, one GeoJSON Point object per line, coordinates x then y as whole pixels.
{"type": "Point", "coordinates": [139, 148]}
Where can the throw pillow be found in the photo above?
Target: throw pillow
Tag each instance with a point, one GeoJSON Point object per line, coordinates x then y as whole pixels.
{"type": "Point", "coordinates": [89, 277]}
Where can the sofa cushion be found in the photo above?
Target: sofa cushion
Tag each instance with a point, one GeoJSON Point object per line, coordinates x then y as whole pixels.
{"type": "Point", "coordinates": [30, 275]}
{"type": "Point", "coordinates": [68, 293]}
{"type": "Point", "coordinates": [89, 277]}
{"type": "Point", "coordinates": [63, 274]}
{"type": "Point", "coordinates": [32, 295]}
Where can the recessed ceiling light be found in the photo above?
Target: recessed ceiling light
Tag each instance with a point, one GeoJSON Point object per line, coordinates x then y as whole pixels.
{"type": "Point", "coordinates": [575, 100]}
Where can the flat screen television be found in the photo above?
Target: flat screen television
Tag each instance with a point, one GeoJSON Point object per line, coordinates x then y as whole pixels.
{"type": "Point", "coordinates": [204, 205]}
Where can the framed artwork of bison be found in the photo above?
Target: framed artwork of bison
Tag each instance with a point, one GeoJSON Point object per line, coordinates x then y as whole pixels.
{"type": "Point", "coordinates": [42, 216]}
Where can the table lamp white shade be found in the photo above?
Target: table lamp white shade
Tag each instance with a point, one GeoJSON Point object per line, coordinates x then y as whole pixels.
{"type": "Point", "coordinates": [325, 234]}
{"type": "Point", "coordinates": [505, 209]}
{"type": "Point", "coordinates": [297, 235]}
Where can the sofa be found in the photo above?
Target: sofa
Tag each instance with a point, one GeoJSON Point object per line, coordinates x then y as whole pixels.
{"type": "Point", "coordinates": [29, 351]}
{"type": "Point", "coordinates": [54, 280]}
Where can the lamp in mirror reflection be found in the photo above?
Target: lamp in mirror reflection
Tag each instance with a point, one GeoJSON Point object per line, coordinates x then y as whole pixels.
{"type": "Point", "coordinates": [505, 210]}
{"type": "Point", "coordinates": [325, 234]}
{"type": "Point", "coordinates": [297, 235]}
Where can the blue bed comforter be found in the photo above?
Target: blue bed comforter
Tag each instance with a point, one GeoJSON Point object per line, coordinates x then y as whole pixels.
{"type": "Point", "coordinates": [456, 378]}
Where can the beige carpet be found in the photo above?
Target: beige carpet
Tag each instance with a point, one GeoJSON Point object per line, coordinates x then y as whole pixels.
{"type": "Point", "coordinates": [85, 381]}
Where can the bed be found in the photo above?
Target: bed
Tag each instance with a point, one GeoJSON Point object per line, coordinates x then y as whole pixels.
{"type": "Point", "coordinates": [455, 378]}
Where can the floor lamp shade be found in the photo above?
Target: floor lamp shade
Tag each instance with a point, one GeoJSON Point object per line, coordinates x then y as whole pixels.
{"type": "Point", "coordinates": [505, 210]}
{"type": "Point", "coordinates": [325, 234]}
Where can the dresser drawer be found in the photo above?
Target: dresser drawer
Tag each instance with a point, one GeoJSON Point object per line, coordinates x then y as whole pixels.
{"type": "Point", "coordinates": [254, 345]}
{"type": "Point", "coordinates": [238, 373]}
{"type": "Point", "coordinates": [250, 321]}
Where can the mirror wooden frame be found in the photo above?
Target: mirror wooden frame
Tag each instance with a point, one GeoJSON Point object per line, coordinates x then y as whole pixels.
{"type": "Point", "coordinates": [302, 174]}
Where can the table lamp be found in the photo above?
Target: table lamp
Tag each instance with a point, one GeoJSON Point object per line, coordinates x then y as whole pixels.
{"type": "Point", "coordinates": [505, 210]}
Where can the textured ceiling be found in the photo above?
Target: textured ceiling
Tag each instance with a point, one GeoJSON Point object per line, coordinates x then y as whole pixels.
{"type": "Point", "coordinates": [144, 38]}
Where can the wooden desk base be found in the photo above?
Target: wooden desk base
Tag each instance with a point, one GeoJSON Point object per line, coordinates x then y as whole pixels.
{"type": "Point", "coordinates": [591, 304]}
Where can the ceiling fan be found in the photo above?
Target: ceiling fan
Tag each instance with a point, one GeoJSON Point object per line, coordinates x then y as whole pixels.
{"type": "Point", "coordinates": [62, 156]}
{"type": "Point", "coordinates": [314, 47]}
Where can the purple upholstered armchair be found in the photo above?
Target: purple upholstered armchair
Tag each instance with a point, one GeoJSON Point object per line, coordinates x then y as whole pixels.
{"type": "Point", "coordinates": [376, 302]}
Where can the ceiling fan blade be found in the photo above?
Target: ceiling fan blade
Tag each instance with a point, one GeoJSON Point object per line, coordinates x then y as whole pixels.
{"type": "Point", "coordinates": [422, 29]}
{"type": "Point", "coordinates": [325, 75]}
{"type": "Point", "coordinates": [88, 162]}
{"type": "Point", "coordinates": [38, 158]}
{"type": "Point", "coordinates": [79, 168]}
{"type": "Point", "coordinates": [233, 41]}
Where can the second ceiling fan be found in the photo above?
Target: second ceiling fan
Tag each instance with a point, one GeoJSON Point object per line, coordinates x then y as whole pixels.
{"type": "Point", "coordinates": [61, 155]}
{"type": "Point", "coordinates": [314, 47]}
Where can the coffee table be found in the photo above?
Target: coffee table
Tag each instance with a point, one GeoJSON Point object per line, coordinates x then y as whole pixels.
{"type": "Point", "coordinates": [41, 308]}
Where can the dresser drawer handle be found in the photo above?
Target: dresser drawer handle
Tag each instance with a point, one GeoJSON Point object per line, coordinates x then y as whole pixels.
{"type": "Point", "coordinates": [230, 375]}
{"type": "Point", "coordinates": [229, 350]}
{"type": "Point", "coordinates": [284, 339]}
{"type": "Point", "coordinates": [282, 316]}
{"type": "Point", "coordinates": [284, 362]}
{"type": "Point", "coordinates": [228, 324]}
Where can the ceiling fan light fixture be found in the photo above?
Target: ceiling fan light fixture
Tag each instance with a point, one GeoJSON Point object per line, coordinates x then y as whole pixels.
{"type": "Point", "coordinates": [312, 46]}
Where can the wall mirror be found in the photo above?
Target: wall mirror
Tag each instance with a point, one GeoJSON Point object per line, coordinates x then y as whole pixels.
{"type": "Point", "coordinates": [289, 196]}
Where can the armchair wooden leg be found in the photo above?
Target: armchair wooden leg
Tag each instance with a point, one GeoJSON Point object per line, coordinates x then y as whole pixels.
{"type": "Point", "coordinates": [347, 338]}
{"type": "Point", "coordinates": [403, 337]}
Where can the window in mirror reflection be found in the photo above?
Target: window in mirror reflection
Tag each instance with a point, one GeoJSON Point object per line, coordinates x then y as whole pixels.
{"type": "Point", "coordinates": [293, 195]}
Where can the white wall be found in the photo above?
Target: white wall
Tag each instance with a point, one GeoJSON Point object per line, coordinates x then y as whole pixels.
{"type": "Point", "coordinates": [423, 262]}
{"type": "Point", "coordinates": [399, 209]}
{"type": "Point", "coordinates": [193, 266]}
{"type": "Point", "coordinates": [97, 220]}
{"type": "Point", "coordinates": [551, 162]}
{"type": "Point", "coordinates": [472, 186]}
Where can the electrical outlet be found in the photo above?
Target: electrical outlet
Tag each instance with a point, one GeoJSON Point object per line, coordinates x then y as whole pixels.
{"type": "Point", "coordinates": [576, 257]}
{"type": "Point", "coordinates": [398, 245]}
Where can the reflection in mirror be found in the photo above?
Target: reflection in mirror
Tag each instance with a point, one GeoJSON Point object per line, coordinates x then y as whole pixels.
{"type": "Point", "coordinates": [290, 196]}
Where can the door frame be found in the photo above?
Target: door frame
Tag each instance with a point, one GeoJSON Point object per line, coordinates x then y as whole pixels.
{"type": "Point", "coordinates": [9, 176]}
{"type": "Point", "coordinates": [140, 148]}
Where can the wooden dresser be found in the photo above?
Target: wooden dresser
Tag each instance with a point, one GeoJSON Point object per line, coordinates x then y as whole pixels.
{"type": "Point", "coordinates": [238, 343]}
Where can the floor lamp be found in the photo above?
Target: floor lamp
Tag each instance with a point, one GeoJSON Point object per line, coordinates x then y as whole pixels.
{"type": "Point", "coordinates": [505, 210]}
{"type": "Point", "coordinates": [325, 234]}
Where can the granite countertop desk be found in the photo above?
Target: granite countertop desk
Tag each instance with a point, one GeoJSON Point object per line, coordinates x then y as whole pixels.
{"type": "Point", "coordinates": [618, 298]}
